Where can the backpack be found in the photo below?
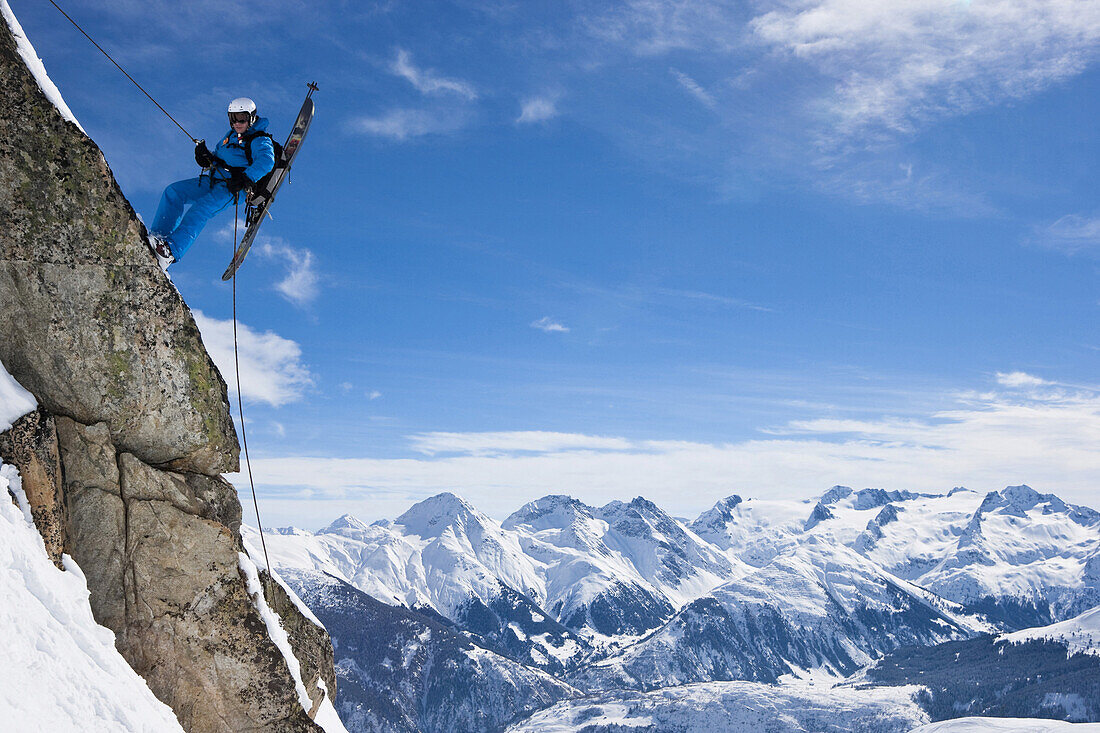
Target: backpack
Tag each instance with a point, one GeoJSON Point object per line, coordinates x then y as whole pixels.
{"type": "Point", "coordinates": [262, 183]}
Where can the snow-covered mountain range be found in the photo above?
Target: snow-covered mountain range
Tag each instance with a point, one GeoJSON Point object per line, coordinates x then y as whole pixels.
{"type": "Point", "coordinates": [625, 597]}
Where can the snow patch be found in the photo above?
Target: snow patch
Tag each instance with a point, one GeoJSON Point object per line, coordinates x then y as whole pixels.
{"type": "Point", "coordinates": [15, 402]}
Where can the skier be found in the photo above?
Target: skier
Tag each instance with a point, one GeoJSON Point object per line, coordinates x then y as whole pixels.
{"type": "Point", "coordinates": [246, 155]}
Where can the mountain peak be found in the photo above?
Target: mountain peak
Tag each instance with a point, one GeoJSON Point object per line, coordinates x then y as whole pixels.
{"type": "Point", "coordinates": [835, 494]}
{"type": "Point", "coordinates": [431, 516]}
{"type": "Point", "coordinates": [291, 531]}
{"type": "Point", "coordinates": [714, 521]}
{"type": "Point", "coordinates": [554, 510]}
{"type": "Point", "coordinates": [345, 522]}
{"type": "Point", "coordinates": [819, 514]}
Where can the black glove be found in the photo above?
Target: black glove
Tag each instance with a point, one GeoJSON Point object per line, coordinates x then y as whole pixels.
{"type": "Point", "coordinates": [203, 156]}
{"type": "Point", "coordinates": [238, 182]}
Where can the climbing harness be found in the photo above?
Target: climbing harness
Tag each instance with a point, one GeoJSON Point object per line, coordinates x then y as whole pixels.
{"type": "Point", "coordinates": [139, 86]}
{"type": "Point", "coordinates": [240, 403]}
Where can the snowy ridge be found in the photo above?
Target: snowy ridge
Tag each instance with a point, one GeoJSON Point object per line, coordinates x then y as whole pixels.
{"type": "Point", "coordinates": [820, 607]}
{"type": "Point", "coordinates": [734, 706]}
{"type": "Point", "coordinates": [620, 569]}
{"type": "Point", "coordinates": [35, 65]}
{"type": "Point", "coordinates": [51, 645]}
{"type": "Point", "coordinates": [1080, 634]}
{"type": "Point", "coordinates": [1007, 725]}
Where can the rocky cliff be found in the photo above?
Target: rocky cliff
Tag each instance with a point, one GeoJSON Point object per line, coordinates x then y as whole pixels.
{"type": "Point", "coordinates": [122, 461]}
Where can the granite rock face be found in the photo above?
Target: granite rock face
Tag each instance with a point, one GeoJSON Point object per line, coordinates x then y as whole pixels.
{"type": "Point", "coordinates": [92, 326]}
{"type": "Point", "coordinates": [163, 569]}
{"type": "Point", "coordinates": [122, 461]}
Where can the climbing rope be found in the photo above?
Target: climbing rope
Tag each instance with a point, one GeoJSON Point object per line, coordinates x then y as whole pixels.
{"type": "Point", "coordinates": [185, 132]}
{"type": "Point", "coordinates": [240, 404]}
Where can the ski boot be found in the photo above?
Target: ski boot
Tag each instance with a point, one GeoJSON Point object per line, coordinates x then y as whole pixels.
{"type": "Point", "coordinates": [161, 248]}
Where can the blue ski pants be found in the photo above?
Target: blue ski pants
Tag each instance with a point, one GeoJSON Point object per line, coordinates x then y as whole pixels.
{"type": "Point", "coordinates": [179, 228]}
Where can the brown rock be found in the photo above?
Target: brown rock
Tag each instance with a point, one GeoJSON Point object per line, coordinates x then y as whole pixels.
{"type": "Point", "coordinates": [192, 630]}
{"type": "Point", "coordinates": [31, 446]}
{"type": "Point", "coordinates": [97, 518]}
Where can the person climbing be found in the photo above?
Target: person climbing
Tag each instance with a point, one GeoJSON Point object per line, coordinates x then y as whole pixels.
{"type": "Point", "coordinates": [246, 155]}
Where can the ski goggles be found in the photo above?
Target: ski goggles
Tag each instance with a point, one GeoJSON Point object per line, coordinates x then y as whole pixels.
{"type": "Point", "coordinates": [235, 117]}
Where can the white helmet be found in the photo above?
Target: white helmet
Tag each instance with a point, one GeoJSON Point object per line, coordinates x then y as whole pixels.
{"type": "Point", "coordinates": [243, 104]}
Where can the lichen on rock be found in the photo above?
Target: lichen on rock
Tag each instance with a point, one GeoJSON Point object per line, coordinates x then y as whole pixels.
{"type": "Point", "coordinates": [92, 325]}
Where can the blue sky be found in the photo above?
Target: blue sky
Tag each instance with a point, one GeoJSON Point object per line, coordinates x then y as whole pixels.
{"type": "Point", "coordinates": [678, 249]}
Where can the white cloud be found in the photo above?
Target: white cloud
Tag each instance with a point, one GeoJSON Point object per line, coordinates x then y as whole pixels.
{"type": "Point", "coordinates": [1019, 379]}
{"type": "Point", "coordinates": [694, 89]}
{"type": "Point", "coordinates": [300, 284]}
{"type": "Point", "coordinates": [427, 82]}
{"type": "Point", "coordinates": [1044, 438]}
{"type": "Point", "coordinates": [537, 109]}
{"type": "Point", "coordinates": [373, 395]}
{"type": "Point", "coordinates": [270, 365]}
{"type": "Point", "coordinates": [526, 441]}
{"type": "Point", "coordinates": [402, 124]}
{"type": "Point", "coordinates": [713, 298]}
{"type": "Point", "coordinates": [896, 65]}
{"type": "Point", "coordinates": [549, 325]}
{"type": "Point", "coordinates": [1070, 234]}
{"type": "Point", "coordinates": [652, 27]}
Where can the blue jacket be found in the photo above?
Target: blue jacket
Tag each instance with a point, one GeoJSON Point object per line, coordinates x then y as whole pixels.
{"type": "Point", "coordinates": [231, 151]}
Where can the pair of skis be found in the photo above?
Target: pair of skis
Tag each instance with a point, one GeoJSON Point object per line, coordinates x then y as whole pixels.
{"type": "Point", "coordinates": [259, 202]}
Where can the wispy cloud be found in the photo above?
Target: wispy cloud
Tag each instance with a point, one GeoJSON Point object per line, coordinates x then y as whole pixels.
{"type": "Point", "coordinates": [694, 89]}
{"type": "Point", "coordinates": [1044, 436]}
{"type": "Point", "coordinates": [549, 325]}
{"type": "Point", "coordinates": [374, 395]}
{"type": "Point", "coordinates": [528, 441]}
{"type": "Point", "coordinates": [403, 124]}
{"type": "Point", "coordinates": [1070, 234]}
{"type": "Point", "coordinates": [428, 82]}
{"type": "Point", "coordinates": [1019, 379]}
{"type": "Point", "coordinates": [300, 285]}
{"type": "Point", "coordinates": [271, 366]}
{"type": "Point", "coordinates": [896, 65]}
{"type": "Point", "coordinates": [834, 94]}
{"type": "Point", "coordinates": [653, 27]}
{"type": "Point", "coordinates": [713, 298]}
{"type": "Point", "coordinates": [537, 109]}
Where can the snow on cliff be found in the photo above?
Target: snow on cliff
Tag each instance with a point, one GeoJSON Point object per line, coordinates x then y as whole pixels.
{"type": "Point", "coordinates": [61, 669]}
{"type": "Point", "coordinates": [30, 58]}
{"type": "Point", "coordinates": [14, 400]}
